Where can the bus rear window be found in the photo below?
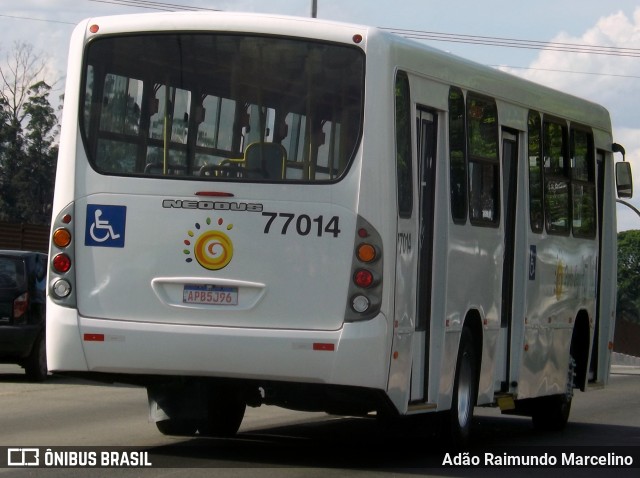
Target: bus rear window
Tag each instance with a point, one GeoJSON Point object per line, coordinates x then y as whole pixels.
{"type": "Point", "coordinates": [221, 107]}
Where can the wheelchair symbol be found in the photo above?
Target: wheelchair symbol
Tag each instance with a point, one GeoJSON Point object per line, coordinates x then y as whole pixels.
{"type": "Point", "coordinates": [104, 227]}
{"type": "Point", "coordinates": [532, 262]}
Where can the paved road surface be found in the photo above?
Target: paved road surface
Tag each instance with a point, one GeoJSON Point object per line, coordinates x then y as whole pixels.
{"type": "Point", "coordinates": [276, 442]}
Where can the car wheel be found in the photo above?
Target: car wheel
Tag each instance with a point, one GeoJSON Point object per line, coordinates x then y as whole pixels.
{"type": "Point", "coordinates": [36, 364]}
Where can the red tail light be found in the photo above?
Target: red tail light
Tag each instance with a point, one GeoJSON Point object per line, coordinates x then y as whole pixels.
{"type": "Point", "coordinates": [62, 263]}
{"type": "Point", "coordinates": [363, 278]}
{"type": "Point", "coordinates": [21, 305]}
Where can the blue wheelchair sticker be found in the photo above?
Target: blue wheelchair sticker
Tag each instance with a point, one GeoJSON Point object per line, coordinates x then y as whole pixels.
{"type": "Point", "coordinates": [533, 257]}
{"type": "Point", "coordinates": [105, 225]}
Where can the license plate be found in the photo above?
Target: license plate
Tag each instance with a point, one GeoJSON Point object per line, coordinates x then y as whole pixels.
{"type": "Point", "coordinates": [209, 294]}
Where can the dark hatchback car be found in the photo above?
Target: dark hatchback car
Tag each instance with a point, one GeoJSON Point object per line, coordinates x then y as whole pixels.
{"type": "Point", "coordinates": [23, 277]}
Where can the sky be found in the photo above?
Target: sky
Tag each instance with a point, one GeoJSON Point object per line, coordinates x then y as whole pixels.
{"type": "Point", "coordinates": [612, 80]}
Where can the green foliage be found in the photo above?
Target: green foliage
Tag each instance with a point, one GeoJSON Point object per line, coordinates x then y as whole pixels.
{"type": "Point", "coordinates": [628, 307]}
{"type": "Point", "coordinates": [28, 156]}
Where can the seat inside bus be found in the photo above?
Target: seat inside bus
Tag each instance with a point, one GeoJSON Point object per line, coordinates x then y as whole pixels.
{"type": "Point", "coordinates": [265, 160]}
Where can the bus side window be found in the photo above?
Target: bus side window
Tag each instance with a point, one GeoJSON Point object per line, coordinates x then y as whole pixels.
{"type": "Point", "coordinates": [484, 166]}
{"type": "Point", "coordinates": [556, 177]}
{"type": "Point", "coordinates": [457, 156]}
{"type": "Point", "coordinates": [583, 187]}
{"type": "Point", "coordinates": [403, 145]}
{"type": "Point", "coordinates": [536, 211]}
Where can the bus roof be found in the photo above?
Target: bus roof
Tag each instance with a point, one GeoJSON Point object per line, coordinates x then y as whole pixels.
{"type": "Point", "coordinates": [411, 55]}
{"type": "Point", "coordinates": [454, 70]}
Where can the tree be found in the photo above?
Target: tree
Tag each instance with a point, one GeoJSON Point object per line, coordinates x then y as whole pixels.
{"type": "Point", "coordinates": [4, 145]}
{"type": "Point", "coordinates": [22, 69]}
{"type": "Point", "coordinates": [27, 137]}
{"type": "Point", "coordinates": [34, 181]}
{"type": "Point", "coordinates": [628, 307]}
{"type": "Point", "coordinates": [10, 162]}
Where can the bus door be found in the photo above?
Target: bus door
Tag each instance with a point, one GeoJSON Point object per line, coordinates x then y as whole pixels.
{"type": "Point", "coordinates": [509, 200]}
{"type": "Point", "coordinates": [600, 175]}
{"type": "Point", "coordinates": [426, 133]}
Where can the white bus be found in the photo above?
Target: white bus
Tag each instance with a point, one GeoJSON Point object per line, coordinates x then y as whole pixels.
{"type": "Point", "coordinates": [326, 217]}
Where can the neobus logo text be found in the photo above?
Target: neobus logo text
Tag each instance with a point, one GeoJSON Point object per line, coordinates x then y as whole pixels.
{"type": "Point", "coordinates": [211, 205]}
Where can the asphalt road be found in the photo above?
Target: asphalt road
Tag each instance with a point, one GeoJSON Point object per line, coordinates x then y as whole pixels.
{"type": "Point", "coordinates": [274, 442]}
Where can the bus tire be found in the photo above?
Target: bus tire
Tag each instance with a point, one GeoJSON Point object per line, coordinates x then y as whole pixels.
{"type": "Point", "coordinates": [460, 417]}
{"type": "Point", "coordinates": [552, 413]}
{"type": "Point", "coordinates": [225, 413]}
{"type": "Point", "coordinates": [177, 427]}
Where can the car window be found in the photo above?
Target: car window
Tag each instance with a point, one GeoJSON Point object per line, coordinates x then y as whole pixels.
{"type": "Point", "coordinates": [11, 273]}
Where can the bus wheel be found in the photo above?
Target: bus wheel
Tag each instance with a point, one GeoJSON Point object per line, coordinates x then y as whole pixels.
{"type": "Point", "coordinates": [460, 417]}
{"type": "Point", "coordinates": [177, 427]}
{"type": "Point", "coordinates": [552, 413]}
{"type": "Point", "coordinates": [225, 413]}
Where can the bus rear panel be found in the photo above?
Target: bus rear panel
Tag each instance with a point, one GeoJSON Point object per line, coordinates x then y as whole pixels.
{"type": "Point", "coordinates": [214, 231]}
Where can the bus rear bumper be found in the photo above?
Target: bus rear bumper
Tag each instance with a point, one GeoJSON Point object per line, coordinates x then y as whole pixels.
{"type": "Point", "coordinates": [357, 354]}
{"type": "Point", "coordinates": [64, 344]}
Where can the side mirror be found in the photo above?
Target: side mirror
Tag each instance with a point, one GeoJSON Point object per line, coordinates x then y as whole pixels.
{"type": "Point", "coordinates": [624, 180]}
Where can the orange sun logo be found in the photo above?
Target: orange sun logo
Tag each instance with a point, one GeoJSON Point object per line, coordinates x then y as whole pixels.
{"type": "Point", "coordinates": [212, 248]}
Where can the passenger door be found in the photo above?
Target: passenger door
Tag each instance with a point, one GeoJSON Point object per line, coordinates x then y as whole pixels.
{"type": "Point", "coordinates": [509, 201]}
{"type": "Point", "coordinates": [426, 132]}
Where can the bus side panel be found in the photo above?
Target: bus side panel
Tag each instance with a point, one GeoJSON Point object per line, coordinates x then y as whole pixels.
{"type": "Point", "coordinates": [562, 282]}
{"type": "Point", "coordinates": [377, 194]}
{"type": "Point", "coordinates": [473, 293]}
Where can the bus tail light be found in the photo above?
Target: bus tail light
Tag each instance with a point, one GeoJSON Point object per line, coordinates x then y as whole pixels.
{"type": "Point", "coordinates": [61, 288]}
{"type": "Point", "coordinates": [61, 237]}
{"type": "Point", "coordinates": [360, 303]}
{"type": "Point", "coordinates": [62, 259]}
{"type": "Point", "coordinates": [366, 252]}
{"type": "Point", "coordinates": [365, 288]}
{"type": "Point", "coordinates": [363, 278]}
{"type": "Point", "coordinates": [61, 263]}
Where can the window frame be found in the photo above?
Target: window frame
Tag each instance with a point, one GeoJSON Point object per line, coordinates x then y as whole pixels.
{"type": "Point", "coordinates": [404, 149]}
{"type": "Point", "coordinates": [489, 164]}
{"type": "Point", "coordinates": [536, 178]}
{"type": "Point", "coordinates": [583, 182]}
{"type": "Point", "coordinates": [335, 132]}
{"type": "Point", "coordinates": [559, 174]}
{"type": "Point", "coordinates": [458, 166]}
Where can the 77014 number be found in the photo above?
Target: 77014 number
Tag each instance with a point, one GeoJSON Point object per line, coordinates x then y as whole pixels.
{"type": "Point", "coordinates": [302, 224]}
